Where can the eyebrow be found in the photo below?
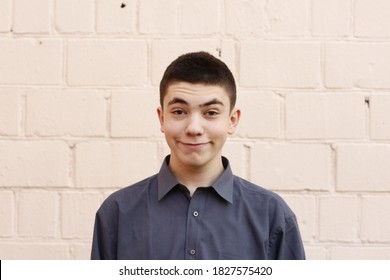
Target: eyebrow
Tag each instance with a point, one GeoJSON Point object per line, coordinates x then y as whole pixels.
{"type": "Point", "coordinates": [177, 100]}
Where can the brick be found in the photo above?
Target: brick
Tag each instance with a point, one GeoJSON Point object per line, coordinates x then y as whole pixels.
{"type": "Point", "coordinates": [32, 16]}
{"type": "Point", "coordinates": [380, 116]}
{"type": "Point", "coordinates": [372, 18]}
{"type": "Point", "coordinates": [304, 207]}
{"type": "Point", "coordinates": [117, 164]}
{"type": "Point", "coordinates": [375, 219]}
{"type": "Point", "coordinates": [10, 112]}
{"type": "Point", "coordinates": [200, 17]}
{"type": "Point", "coordinates": [280, 64]}
{"type": "Point", "coordinates": [363, 167]}
{"type": "Point", "coordinates": [37, 213]}
{"type": "Point", "coordinates": [245, 18]}
{"type": "Point", "coordinates": [359, 253]}
{"type": "Point", "coordinates": [127, 109]}
{"type": "Point", "coordinates": [336, 224]}
{"type": "Point", "coordinates": [163, 150]}
{"type": "Point", "coordinates": [165, 51]}
{"type": "Point", "coordinates": [287, 17]}
{"type": "Point", "coordinates": [34, 163]}
{"type": "Point", "coordinates": [265, 108]}
{"type": "Point", "coordinates": [30, 61]}
{"type": "Point", "coordinates": [33, 251]}
{"type": "Point", "coordinates": [72, 16]}
{"type": "Point", "coordinates": [236, 154]}
{"type": "Point", "coordinates": [116, 17]}
{"type": "Point", "coordinates": [158, 17]}
{"type": "Point", "coordinates": [107, 62]}
{"type": "Point", "coordinates": [78, 214]}
{"type": "Point", "coordinates": [315, 252]}
{"type": "Point", "coordinates": [5, 15]}
{"type": "Point", "coordinates": [81, 251]}
{"type": "Point", "coordinates": [66, 112]}
{"type": "Point", "coordinates": [361, 65]}
{"type": "Point", "coordinates": [331, 18]}
{"type": "Point", "coordinates": [291, 166]}
{"type": "Point", "coordinates": [329, 116]}
{"type": "Point", "coordinates": [7, 213]}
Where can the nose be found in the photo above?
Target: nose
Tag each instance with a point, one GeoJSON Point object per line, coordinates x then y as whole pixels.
{"type": "Point", "coordinates": [194, 125]}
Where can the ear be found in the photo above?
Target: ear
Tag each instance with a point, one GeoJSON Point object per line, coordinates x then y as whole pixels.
{"type": "Point", "coordinates": [160, 115]}
{"type": "Point", "coordinates": [234, 119]}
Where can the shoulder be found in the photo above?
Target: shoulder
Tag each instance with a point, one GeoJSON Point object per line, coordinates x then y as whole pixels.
{"type": "Point", "coordinates": [260, 198]}
{"type": "Point", "coordinates": [128, 196]}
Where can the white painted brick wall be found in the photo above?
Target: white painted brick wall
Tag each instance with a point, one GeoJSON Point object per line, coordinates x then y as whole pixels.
{"type": "Point", "coordinates": [107, 62]}
{"type": "Point", "coordinates": [280, 64]}
{"type": "Point", "coordinates": [245, 18]}
{"type": "Point", "coordinates": [32, 16]}
{"type": "Point", "coordinates": [329, 116]}
{"type": "Point", "coordinates": [115, 18]}
{"type": "Point", "coordinates": [43, 221]}
{"type": "Point", "coordinates": [37, 250]}
{"type": "Point", "coordinates": [200, 17]}
{"type": "Point", "coordinates": [291, 166]}
{"type": "Point", "coordinates": [331, 18]}
{"type": "Point", "coordinates": [303, 206]}
{"type": "Point", "coordinates": [336, 225]}
{"type": "Point", "coordinates": [7, 213]}
{"type": "Point", "coordinates": [10, 111]}
{"type": "Point", "coordinates": [158, 17]}
{"type": "Point", "coordinates": [66, 112]}
{"type": "Point", "coordinates": [357, 65]}
{"type": "Point", "coordinates": [5, 15]}
{"type": "Point", "coordinates": [372, 18]}
{"type": "Point", "coordinates": [363, 167]}
{"type": "Point", "coordinates": [287, 17]}
{"type": "Point", "coordinates": [70, 19]}
{"type": "Point", "coordinates": [79, 91]}
{"type": "Point", "coordinates": [360, 253]}
{"type": "Point", "coordinates": [31, 61]}
{"type": "Point", "coordinates": [260, 114]}
{"type": "Point", "coordinates": [34, 163]}
{"type": "Point", "coordinates": [128, 108]}
{"type": "Point", "coordinates": [117, 164]}
{"type": "Point", "coordinates": [380, 116]}
{"type": "Point", "coordinates": [375, 218]}
{"type": "Point", "coordinates": [77, 214]}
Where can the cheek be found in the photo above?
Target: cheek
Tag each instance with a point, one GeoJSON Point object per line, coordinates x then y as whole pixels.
{"type": "Point", "coordinates": [219, 131]}
{"type": "Point", "coordinates": [172, 128]}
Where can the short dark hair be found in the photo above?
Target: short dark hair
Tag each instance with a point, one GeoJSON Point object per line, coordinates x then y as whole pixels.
{"type": "Point", "coordinates": [199, 68]}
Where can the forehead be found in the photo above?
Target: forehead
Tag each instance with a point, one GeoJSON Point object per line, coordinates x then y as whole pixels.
{"type": "Point", "coordinates": [196, 93]}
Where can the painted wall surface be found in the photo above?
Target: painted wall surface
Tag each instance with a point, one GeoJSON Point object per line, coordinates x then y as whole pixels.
{"type": "Point", "coordinates": [79, 91]}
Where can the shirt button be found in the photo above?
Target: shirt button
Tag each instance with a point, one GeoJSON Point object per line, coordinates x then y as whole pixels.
{"type": "Point", "coordinates": [195, 213]}
{"type": "Point", "coordinates": [193, 252]}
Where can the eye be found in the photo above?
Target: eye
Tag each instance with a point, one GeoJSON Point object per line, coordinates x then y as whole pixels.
{"type": "Point", "coordinates": [212, 113]}
{"type": "Point", "coordinates": [178, 112]}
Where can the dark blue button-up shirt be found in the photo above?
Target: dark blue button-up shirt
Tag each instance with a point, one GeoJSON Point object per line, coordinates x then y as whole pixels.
{"type": "Point", "coordinates": [232, 219]}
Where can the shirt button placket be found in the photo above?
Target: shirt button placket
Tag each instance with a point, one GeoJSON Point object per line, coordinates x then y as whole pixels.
{"type": "Point", "coordinates": [193, 251]}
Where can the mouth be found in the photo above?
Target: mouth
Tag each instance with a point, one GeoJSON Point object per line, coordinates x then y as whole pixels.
{"type": "Point", "coordinates": [194, 145]}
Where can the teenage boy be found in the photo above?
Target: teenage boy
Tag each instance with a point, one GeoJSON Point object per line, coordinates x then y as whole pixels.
{"type": "Point", "coordinates": [195, 208]}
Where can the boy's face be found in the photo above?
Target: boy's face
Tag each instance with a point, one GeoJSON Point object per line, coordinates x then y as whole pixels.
{"type": "Point", "coordinates": [196, 120]}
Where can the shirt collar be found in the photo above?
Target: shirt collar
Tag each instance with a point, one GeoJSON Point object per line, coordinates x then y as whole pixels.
{"type": "Point", "coordinates": [223, 185]}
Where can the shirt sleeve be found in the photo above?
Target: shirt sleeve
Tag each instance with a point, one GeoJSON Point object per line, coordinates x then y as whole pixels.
{"type": "Point", "coordinates": [103, 247]}
{"type": "Point", "coordinates": [286, 242]}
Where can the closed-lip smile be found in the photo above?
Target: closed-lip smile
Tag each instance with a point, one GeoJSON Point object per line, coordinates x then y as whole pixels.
{"type": "Point", "coordinates": [194, 144]}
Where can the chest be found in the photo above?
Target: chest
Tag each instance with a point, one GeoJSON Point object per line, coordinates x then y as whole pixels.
{"type": "Point", "coordinates": [204, 227]}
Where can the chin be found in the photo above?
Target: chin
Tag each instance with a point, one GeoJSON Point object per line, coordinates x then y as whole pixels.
{"type": "Point", "coordinates": [193, 161]}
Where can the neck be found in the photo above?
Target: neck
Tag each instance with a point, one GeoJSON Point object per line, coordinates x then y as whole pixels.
{"type": "Point", "coordinates": [193, 176]}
